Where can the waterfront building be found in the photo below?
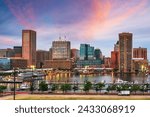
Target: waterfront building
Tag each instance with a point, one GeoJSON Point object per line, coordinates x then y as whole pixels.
{"type": "Point", "coordinates": [13, 62]}
{"type": "Point", "coordinates": [58, 64]}
{"type": "Point", "coordinates": [61, 50]}
{"type": "Point", "coordinates": [7, 52]}
{"type": "Point", "coordinates": [125, 52]}
{"type": "Point", "coordinates": [83, 51]}
{"type": "Point", "coordinates": [115, 56]}
{"type": "Point", "coordinates": [140, 53]}
{"type": "Point", "coordinates": [107, 62]}
{"type": "Point", "coordinates": [74, 54]}
{"type": "Point", "coordinates": [61, 55]}
{"type": "Point", "coordinates": [114, 59]}
{"type": "Point", "coordinates": [90, 52]}
{"type": "Point", "coordinates": [89, 63]}
{"type": "Point", "coordinates": [97, 54]}
{"type": "Point", "coordinates": [29, 46]}
{"type": "Point", "coordinates": [86, 52]}
{"type": "Point", "coordinates": [140, 65]}
{"type": "Point", "coordinates": [17, 51]}
{"type": "Point", "coordinates": [41, 56]}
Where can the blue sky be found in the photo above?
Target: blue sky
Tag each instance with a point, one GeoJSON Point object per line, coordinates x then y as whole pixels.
{"type": "Point", "coordinates": [96, 22]}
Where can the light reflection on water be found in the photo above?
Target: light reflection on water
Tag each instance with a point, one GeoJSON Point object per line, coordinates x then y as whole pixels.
{"type": "Point", "coordinates": [105, 78]}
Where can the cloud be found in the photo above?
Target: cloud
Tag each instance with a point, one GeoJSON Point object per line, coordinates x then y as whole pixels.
{"type": "Point", "coordinates": [9, 41]}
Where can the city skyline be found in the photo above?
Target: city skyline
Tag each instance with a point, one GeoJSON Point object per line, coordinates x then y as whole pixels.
{"type": "Point", "coordinates": [96, 22]}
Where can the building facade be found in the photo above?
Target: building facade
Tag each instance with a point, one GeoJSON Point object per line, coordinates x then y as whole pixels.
{"type": "Point", "coordinates": [97, 54]}
{"type": "Point", "coordinates": [74, 54]}
{"type": "Point", "coordinates": [86, 52]}
{"type": "Point", "coordinates": [13, 62]}
{"type": "Point", "coordinates": [41, 56]}
{"type": "Point", "coordinates": [61, 50]}
{"type": "Point", "coordinates": [83, 51]}
{"type": "Point", "coordinates": [125, 52]}
{"type": "Point", "coordinates": [140, 53]}
{"type": "Point", "coordinates": [29, 46]}
{"type": "Point", "coordinates": [58, 64]}
{"type": "Point", "coordinates": [114, 59]}
{"type": "Point", "coordinates": [18, 51]}
{"type": "Point", "coordinates": [7, 52]}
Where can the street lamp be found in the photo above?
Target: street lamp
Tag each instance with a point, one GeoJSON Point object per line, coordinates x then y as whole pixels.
{"type": "Point", "coordinates": [14, 73]}
{"type": "Point", "coordinates": [14, 95]}
{"type": "Point", "coordinates": [32, 88]}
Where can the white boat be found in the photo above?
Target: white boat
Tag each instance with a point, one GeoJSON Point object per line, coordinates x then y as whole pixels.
{"type": "Point", "coordinates": [119, 81]}
{"type": "Point", "coordinates": [24, 86]}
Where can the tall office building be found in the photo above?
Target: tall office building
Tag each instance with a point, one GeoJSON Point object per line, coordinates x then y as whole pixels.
{"type": "Point", "coordinates": [90, 52]}
{"type": "Point", "coordinates": [61, 50]}
{"type": "Point", "coordinates": [83, 51]}
{"type": "Point", "coordinates": [125, 52]}
{"type": "Point", "coordinates": [115, 56]}
{"type": "Point", "coordinates": [140, 53]}
{"type": "Point", "coordinates": [116, 46]}
{"type": "Point", "coordinates": [114, 59]}
{"type": "Point", "coordinates": [97, 53]}
{"type": "Point", "coordinates": [29, 46]}
{"type": "Point", "coordinates": [86, 52]}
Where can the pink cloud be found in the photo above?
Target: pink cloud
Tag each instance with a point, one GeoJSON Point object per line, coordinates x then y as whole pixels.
{"type": "Point", "coordinates": [101, 23]}
{"type": "Point", "coordinates": [9, 41]}
{"type": "Point", "coordinates": [23, 12]}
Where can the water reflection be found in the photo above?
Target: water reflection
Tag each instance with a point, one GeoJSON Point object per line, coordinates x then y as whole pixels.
{"type": "Point", "coordinates": [108, 78]}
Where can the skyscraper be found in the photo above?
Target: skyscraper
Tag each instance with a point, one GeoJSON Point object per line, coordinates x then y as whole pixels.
{"type": "Point", "coordinates": [140, 53]}
{"type": "Point", "coordinates": [90, 52]}
{"type": "Point", "coordinates": [83, 51]}
{"type": "Point", "coordinates": [60, 50]}
{"type": "Point", "coordinates": [29, 46]}
{"type": "Point", "coordinates": [86, 52]}
{"type": "Point", "coordinates": [97, 53]}
{"type": "Point", "coordinates": [125, 52]}
{"type": "Point", "coordinates": [114, 56]}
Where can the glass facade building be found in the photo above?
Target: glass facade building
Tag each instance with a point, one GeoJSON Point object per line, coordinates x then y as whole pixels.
{"type": "Point", "coordinates": [86, 52]}
{"type": "Point", "coordinates": [5, 63]}
{"type": "Point", "coordinates": [90, 63]}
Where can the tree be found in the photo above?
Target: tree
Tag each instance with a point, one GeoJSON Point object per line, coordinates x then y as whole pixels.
{"type": "Point", "coordinates": [135, 88]}
{"type": "Point", "coordinates": [111, 87]}
{"type": "Point", "coordinates": [99, 86]}
{"type": "Point", "coordinates": [43, 86]}
{"type": "Point", "coordinates": [54, 87]}
{"type": "Point", "coordinates": [2, 88]}
{"type": "Point", "coordinates": [87, 86]}
{"type": "Point", "coordinates": [75, 87]}
{"type": "Point", "coordinates": [65, 87]}
{"type": "Point", "coordinates": [144, 88]}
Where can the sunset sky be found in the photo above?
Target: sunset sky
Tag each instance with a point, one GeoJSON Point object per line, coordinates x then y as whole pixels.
{"type": "Point", "coordinates": [96, 22]}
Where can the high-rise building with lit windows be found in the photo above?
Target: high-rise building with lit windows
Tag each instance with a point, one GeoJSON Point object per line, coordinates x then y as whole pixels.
{"type": "Point", "coordinates": [29, 46]}
{"type": "Point", "coordinates": [61, 50]}
{"type": "Point", "coordinates": [125, 52]}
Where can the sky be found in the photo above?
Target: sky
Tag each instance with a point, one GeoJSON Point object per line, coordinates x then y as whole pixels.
{"type": "Point", "coordinates": [95, 22]}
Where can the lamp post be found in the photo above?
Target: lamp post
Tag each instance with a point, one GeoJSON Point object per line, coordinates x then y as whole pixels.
{"type": "Point", "coordinates": [14, 73]}
{"type": "Point", "coordinates": [14, 94]}
{"type": "Point", "coordinates": [32, 88]}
